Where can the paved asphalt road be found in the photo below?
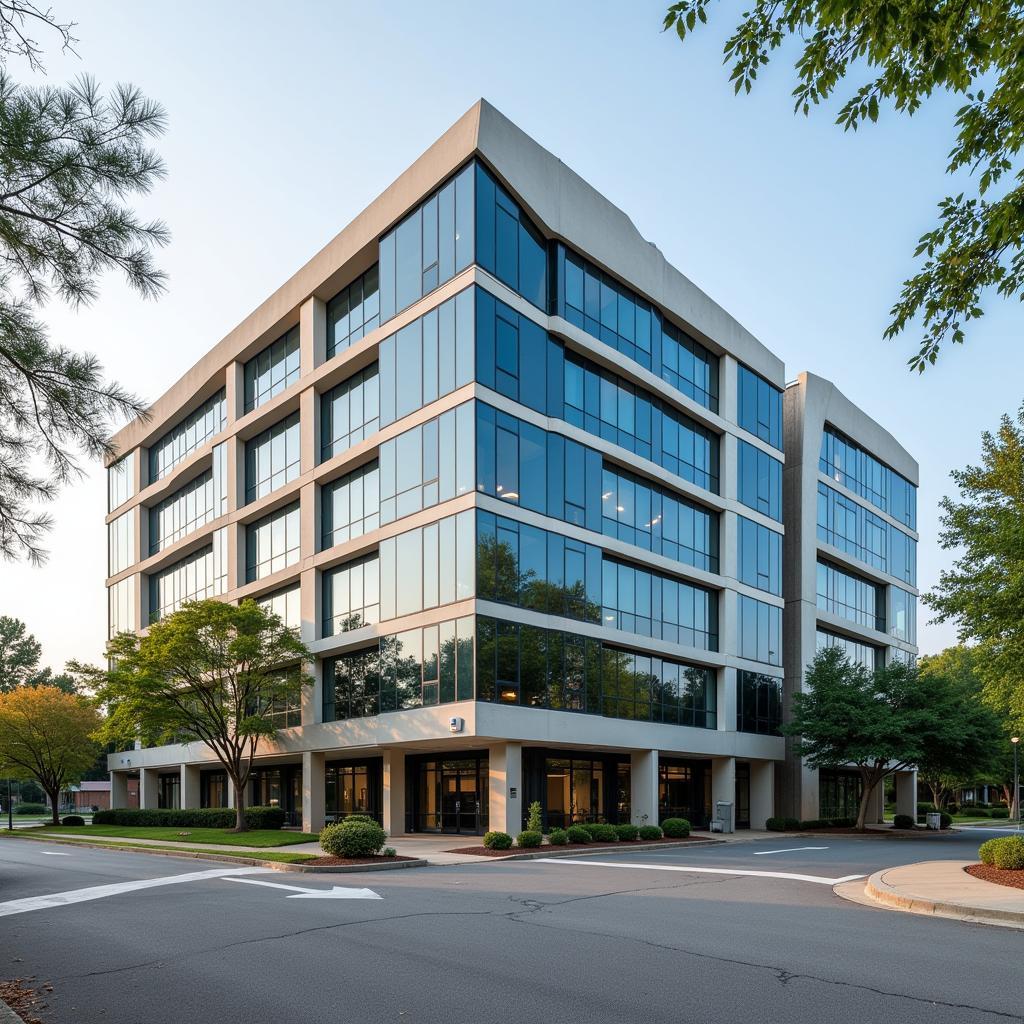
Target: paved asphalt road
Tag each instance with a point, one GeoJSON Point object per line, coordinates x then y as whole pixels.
{"type": "Point", "coordinates": [608, 940]}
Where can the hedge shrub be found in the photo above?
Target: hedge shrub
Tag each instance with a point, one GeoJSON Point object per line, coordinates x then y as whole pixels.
{"type": "Point", "coordinates": [675, 828]}
{"type": "Point", "coordinates": [360, 817]}
{"type": "Point", "coordinates": [903, 821]}
{"type": "Point", "coordinates": [627, 832]}
{"type": "Point", "coordinates": [1009, 853]}
{"type": "Point", "coordinates": [558, 837]}
{"type": "Point", "coordinates": [191, 817]}
{"type": "Point", "coordinates": [650, 832]}
{"type": "Point", "coordinates": [73, 820]}
{"type": "Point", "coordinates": [578, 834]}
{"type": "Point", "coordinates": [602, 833]}
{"type": "Point", "coordinates": [353, 839]}
{"type": "Point", "coordinates": [30, 808]}
{"type": "Point", "coordinates": [529, 839]}
{"type": "Point", "coordinates": [999, 812]}
{"type": "Point", "coordinates": [782, 825]}
{"type": "Point", "coordinates": [987, 851]}
{"type": "Point", "coordinates": [945, 820]}
{"type": "Point", "coordinates": [925, 808]}
{"type": "Point", "coordinates": [498, 841]}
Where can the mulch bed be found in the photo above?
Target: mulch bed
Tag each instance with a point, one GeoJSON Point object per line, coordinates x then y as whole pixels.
{"type": "Point", "coordinates": [988, 873]}
{"type": "Point", "coordinates": [626, 844]}
{"type": "Point", "coordinates": [24, 1001]}
{"type": "Point", "coordinates": [332, 862]}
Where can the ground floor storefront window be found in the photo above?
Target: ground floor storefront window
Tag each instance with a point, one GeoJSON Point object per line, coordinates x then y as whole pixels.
{"type": "Point", "coordinates": [684, 791]}
{"type": "Point", "coordinates": [447, 794]}
{"type": "Point", "coordinates": [353, 788]}
{"type": "Point", "coordinates": [742, 794]}
{"type": "Point", "coordinates": [213, 789]}
{"type": "Point", "coordinates": [573, 787]}
{"type": "Point", "coordinates": [280, 786]}
{"type": "Point", "coordinates": [839, 793]}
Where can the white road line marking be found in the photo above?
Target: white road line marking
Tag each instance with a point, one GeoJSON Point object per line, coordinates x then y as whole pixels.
{"type": "Point", "coordinates": [337, 892]}
{"type": "Point", "coordinates": [701, 871]}
{"type": "Point", "coordinates": [54, 853]}
{"type": "Point", "coordinates": [792, 849]}
{"type": "Point", "coordinates": [98, 892]}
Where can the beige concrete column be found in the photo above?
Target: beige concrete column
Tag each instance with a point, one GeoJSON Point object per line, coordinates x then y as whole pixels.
{"type": "Point", "coordinates": [234, 392]}
{"type": "Point", "coordinates": [231, 791]}
{"type": "Point", "coordinates": [505, 795]}
{"type": "Point", "coordinates": [394, 792]}
{"type": "Point", "coordinates": [762, 792]}
{"type": "Point", "coordinates": [643, 787]}
{"type": "Point", "coordinates": [148, 799]}
{"type": "Point", "coordinates": [726, 685]}
{"type": "Point", "coordinates": [312, 699]}
{"type": "Point", "coordinates": [309, 432]}
{"type": "Point", "coordinates": [876, 806]}
{"type": "Point", "coordinates": [188, 792]}
{"type": "Point", "coordinates": [312, 334]}
{"type": "Point", "coordinates": [906, 793]}
{"type": "Point", "coordinates": [118, 789]}
{"type": "Point", "coordinates": [313, 791]}
{"type": "Point", "coordinates": [723, 783]}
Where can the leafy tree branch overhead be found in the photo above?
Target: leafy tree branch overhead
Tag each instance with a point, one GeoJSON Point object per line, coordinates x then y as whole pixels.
{"type": "Point", "coordinates": [71, 161]}
{"type": "Point", "coordinates": [901, 53]}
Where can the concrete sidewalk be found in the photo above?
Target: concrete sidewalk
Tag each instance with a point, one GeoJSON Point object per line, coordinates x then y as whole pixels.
{"type": "Point", "coordinates": [940, 888]}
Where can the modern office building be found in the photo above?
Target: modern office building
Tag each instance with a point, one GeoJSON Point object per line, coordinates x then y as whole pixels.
{"type": "Point", "coordinates": [850, 567]}
{"type": "Point", "coordinates": [519, 485]}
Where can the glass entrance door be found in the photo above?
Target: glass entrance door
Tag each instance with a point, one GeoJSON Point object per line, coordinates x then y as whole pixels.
{"type": "Point", "coordinates": [451, 796]}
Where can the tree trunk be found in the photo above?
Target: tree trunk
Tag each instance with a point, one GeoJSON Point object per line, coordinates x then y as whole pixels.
{"type": "Point", "coordinates": [938, 791]}
{"type": "Point", "coordinates": [865, 801]}
{"type": "Point", "coordinates": [240, 825]}
{"type": "Point", "coordinates": [54, 804]}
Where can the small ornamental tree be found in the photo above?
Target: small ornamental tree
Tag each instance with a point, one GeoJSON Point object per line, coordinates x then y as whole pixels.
{"type": "Point", "coordinates": [211, 672]}
{"type": "Point", "coordinates": [47, 735]}
{"type": "Point", "coordinates": [879, 722]}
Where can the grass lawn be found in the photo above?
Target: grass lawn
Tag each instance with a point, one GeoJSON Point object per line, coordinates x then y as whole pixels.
{"type": "Point", "coordinates": [282, 858]}
{"type": "Point", "coordinates": [215, 836]}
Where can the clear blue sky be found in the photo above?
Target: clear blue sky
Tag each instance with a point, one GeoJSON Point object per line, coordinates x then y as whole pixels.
{"type": "Point", "coordinates": [285, 121]}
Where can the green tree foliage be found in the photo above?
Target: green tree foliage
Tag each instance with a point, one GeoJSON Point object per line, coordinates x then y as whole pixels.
{"type": "Point", "coordinates": [20, 652]}
{"type": "Point", "coordinates": [71, 159]}
{"type": "Point", "coordinates": [211, 673]}
{"type": "Point", "coordinates": [901, 53]}
{"type": "Point", "coordinates": [983, 592]}
{"type": "Point", "coordinates": [879, 722]}
{"type": "Point", "coordinates": [982, 732]}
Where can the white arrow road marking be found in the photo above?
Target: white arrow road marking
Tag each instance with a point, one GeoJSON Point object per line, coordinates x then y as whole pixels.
{"type": "Point", "coordinates": [792, 849]}
{"type": "Point", "coordinates": [98, 892]}
{"type": "Point", "coordinates": [337, 892]}
{"type": "Point", "coordinates": [701, 871]}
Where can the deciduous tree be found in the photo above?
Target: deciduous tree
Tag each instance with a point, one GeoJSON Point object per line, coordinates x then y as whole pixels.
{"type": "Point", "coordinates": [903, 54]}
{"type": "Point", "coordinates": [47, 735]}
{"type": "Point", "coordinates": [212, 673]}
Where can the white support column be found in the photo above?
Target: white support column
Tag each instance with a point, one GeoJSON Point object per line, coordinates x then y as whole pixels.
{"type": "Point", "coordinates": [313, 791]}
{"type": "Point", "coordinates": [876, 805]}
{"type": "Point", "coordinates": [723, 783]}
{"type": "Point", "coordinates": [394, 792]}
{"type": "Point", "coordinates": [188, 793]}
{"type": "Point", "coordinates": [505, 781]}
{"type": "Point", "coordinates": [906, 793]}
{"type": "Point", "coordinates": [231, 791]}
{"type": "Point", "coordinates": [118, 789]}
{"type": "Point", "coordinates": [643, 787]}
{"type": "Point", "coordinates": [148, 799]}
{"type": "Point", "coordinates": [762, 793]}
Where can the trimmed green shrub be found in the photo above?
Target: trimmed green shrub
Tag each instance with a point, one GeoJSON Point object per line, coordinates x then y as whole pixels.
{"type": "Point", "coordinates": [389, 851]}
{"type": "Point", "coordinates": [73, 820]}
{"type": "Point", "coordinates": [675, 828]}
{"type": "Point", "coordinates": [925, 808]}
{"type": "Point", "coordinates": [782, 825]}
{"type": "Point", "coordinates": [191, 817]}
{"type": "Point", "coordinates": [945, 820]}
{"type": "Point", "coordinates": [987, 851]}
{"type": "Point", "coordinates": [903, 821]}
{"type": "Point", "coordinates": [815, 823]}
{"type": "Point", "coordinates": [603, 833]}
{"type": "Point", "coordinates": [353, 839]}
{"type": "Point", "coordinates": [30, 808]}
{"type": "Point", "coordinates": [650, 832]}
{"type": "Point", "coordinates": [627, 832]}
{"type": "Point", "coordinates": [498, 841]}
{"type": "Point", "coordinates": [578, 834]}
{"type": "Point", "coordinates": [558, 837]}
{"type": "Point", "coordinates": [360, 817]}
{"type": "Point", "coordinates": [999, 812]}
{"type": "Point", "coordinates": [534, 820]}
{"type": "Point", "coordinates": [1009, 853]}
{"type": "Point", "coordinates": [529, 839]}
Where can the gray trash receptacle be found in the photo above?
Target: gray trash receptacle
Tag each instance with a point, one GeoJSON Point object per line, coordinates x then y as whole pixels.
{"type": "Point", "coordinates": [933, 820]}
{"type": "Point", "coordinates": [723, 815]}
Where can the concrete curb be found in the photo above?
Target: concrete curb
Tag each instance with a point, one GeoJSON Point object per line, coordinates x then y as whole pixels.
{"type": "Point", "coordinates": [557, 851]}
{"type": "Point", "coordinates": [224, 859]}
{"type": "Point", "coordinates": [8, 1016]}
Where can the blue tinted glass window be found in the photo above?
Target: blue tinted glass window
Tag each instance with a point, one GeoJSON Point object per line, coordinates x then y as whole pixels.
{"type": "Point", "coordinates": [758, 703]}
{"type": "Point", "coordinates": [272, 370]}
{"type": "Point", "coordinates": [188, 436]}
{"type": "Point", "coordinates": [760, 631]}
{"type": "Point", "coordinates": [350, 506]}
{"type": "Point", "coordinates": [760, 481]}
{"type": "Point", "coordinates": [759, 407]}
{"type": "Point", "coordinates": [349, 413]}
{"type": "Point", "coordinates": [857, 652]}
{"type": "Point", "coordinates": [850, 597]}
{"type": "Point", "coordinates": [353, 312]}
{"type": "Point", "coordinates": [759, 556]}
{"type": "Point", "coordinates": [272, 458]}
